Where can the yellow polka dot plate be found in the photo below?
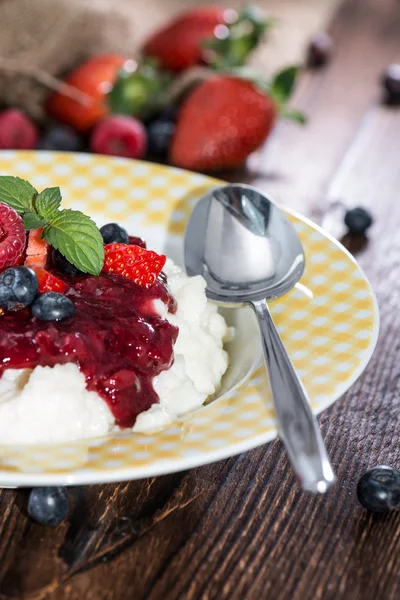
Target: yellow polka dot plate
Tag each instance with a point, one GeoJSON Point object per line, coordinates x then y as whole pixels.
{"type": "Point", "coordinates": [328, 323]}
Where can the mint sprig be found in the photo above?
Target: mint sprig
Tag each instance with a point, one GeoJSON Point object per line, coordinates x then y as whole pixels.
{"type": "Point", "coordinates": [71, 232]}
{"type": "Point", "coordinates": [76, 236]}
{"type": "Point", "coordinates": [48, 202]}
{"type": "Point", "coordinates": [17, 193]}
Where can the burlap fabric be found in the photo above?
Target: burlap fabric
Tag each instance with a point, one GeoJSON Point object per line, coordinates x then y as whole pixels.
{"type": "Point", "coordinates": [48, 37]}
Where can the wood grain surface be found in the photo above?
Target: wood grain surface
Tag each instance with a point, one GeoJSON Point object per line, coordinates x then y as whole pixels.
{"type": "Point", "coordinates": [241, 529]}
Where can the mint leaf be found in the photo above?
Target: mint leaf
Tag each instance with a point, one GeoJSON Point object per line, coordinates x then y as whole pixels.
{"type": "Point", "coordinates": [295, 115]}
{"type": "Point", "coordinates": [17, 193]}
{"type": "Point", "coordinates": [282, 85]}
{"type": "Point", "coordinates": [48, 202]}
{"type": "Point", "coordinates": [78, 239]}
{"type": "Point", "coordinates": [32, 221]}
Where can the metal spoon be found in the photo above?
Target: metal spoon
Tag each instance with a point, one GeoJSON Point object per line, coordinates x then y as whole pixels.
{"type": "Point", "coordinates": [248, 252]}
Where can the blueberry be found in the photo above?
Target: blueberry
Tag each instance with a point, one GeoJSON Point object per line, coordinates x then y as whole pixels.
{"type": "Point", "coordinates": [60, 137]}
{"type": "Point", "coordinates": [379, 489]}
{"type": "Point", "coordinates": [18, 288]}
{"type": "Point", "coordinates": [160, 134]}
{"type": "Point", "coordinates": [114, 234]}
{"type": "Point", "coordinates": [48, 505]}
{"type": "Point", "coordinates": [319, 50]}
{"type": "Point", "coordinates": [63, 265]}
{"type": "Point", "coordinates": [391, 83]}
{"type": "Point", "coordinates": [52, 306]}
{"type": "Point", "coordinates": [358, 220]}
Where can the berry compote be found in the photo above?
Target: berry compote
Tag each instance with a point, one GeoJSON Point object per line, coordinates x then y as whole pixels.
{"type": "Point", "coordinates": [116, 337]}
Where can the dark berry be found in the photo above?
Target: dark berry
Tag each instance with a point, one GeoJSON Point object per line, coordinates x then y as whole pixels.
{"type": "Point", "coordinates": [160, 134]}
{"type": "Point", "coordinates": [114, 234]}
{"type": "Point", "coordinates": [18, 288]}
{"type": "Point", "coordinates": [137, 241]}
{"type": "Point", "coordinates": [52, 306]}
{"type": "Point", "coordinates": [62, 265]}
{"type": "Point", "coordinates": [170, 113]}
{"type": "Point", "coordinates": [358, 220]}
{"type": "Point", "coordinates": [60, 137]}
{"type": "Point", "coordinates": [391, 83]}
{"type": "Point", "coordinates": [379, 489]}
{"type": "Point", "coordinates": [48, 505]}
{"type": "Point", "coordinates": [319, 50]}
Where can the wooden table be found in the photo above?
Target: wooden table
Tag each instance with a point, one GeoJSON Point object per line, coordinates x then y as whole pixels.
{"type": "Point", "coordinates": [241, 529]}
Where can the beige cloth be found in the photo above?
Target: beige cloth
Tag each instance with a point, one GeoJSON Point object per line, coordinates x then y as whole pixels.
{"type": "Point", "coordinates": [53, 36]}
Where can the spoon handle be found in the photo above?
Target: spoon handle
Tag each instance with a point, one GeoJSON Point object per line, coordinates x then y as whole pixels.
{"type": "Point", "coordinates": [298, 427]}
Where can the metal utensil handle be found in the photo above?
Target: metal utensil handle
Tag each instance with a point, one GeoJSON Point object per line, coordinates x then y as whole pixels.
{"type": "Point", "coordinates": [298, 427]}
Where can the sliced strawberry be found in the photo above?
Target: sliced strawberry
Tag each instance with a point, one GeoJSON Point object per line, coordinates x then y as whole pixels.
{"type": "Point", "coordinates": [138, 264]}
{"type": "Point", "coordinates": [37, 249]}
{"type": "Point", "coordinates": [36, 259]}
{"type": "Point", "coordinates": [49, 282]}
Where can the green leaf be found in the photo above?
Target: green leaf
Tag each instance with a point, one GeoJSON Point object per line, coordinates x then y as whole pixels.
{"type": "Point", "coordinates": [77, 237]}
{"type": "Point", "coordinates": [17, 193]}
{"type": "Point", "coordinates": [283, 83]}
{"type": "Point", "coordinates": [33, 221]}
{"type": "Point", "coordinates": [238, 40]}
{"type": "Point", "coordinates": [48, 202]}
{"type": "Point", "coordinates": [295, 115]}
{"type": "Point", "coordinates": [139, 93]}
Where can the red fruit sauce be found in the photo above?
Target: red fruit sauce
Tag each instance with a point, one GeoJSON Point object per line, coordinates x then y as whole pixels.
{"type": "Point", "coordinates": [118, 340]}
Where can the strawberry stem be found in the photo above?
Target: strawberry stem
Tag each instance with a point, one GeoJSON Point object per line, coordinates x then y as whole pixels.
{"type": "Point", "coordinates": [233, 43]}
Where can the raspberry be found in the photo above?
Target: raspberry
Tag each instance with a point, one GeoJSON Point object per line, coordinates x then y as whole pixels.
{"type": "Point", "coordinates": [17, 131]}
{"type": "Point", "coordinates": [119, 135]}
{"type": "Point", "coordinates": [12, 236]}
{"type": "Point", "coordinates": [140, 265]}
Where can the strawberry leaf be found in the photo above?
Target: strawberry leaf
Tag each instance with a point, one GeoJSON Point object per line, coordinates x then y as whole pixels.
{"type": "Point", "coordinates": [139, 93]}
{"type": "Point", "coordinates": [78, 239]}
{"type": "Point", "coordinates": [238, 40]}
{"type": "Point", "coordinates": [33, 221]}
{"type": "Point", "coordinates": [48, 202]}
{"type": "Point", "coordinates": [295, 115]}
{"type": "Point", "coordinates": [283, 83]}
{"type": "Point", "coordinates": [17, 193]}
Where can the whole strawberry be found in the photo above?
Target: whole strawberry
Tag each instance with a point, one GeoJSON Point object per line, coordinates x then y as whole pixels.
{"type": "Point", "coordinates": [207, 34]}
{"type": "Point", "coordinates": [94, 79]}
{"type": "Point", "coordinates": [226, 118]}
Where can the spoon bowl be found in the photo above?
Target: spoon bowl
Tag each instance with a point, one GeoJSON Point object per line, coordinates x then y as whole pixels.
{"type": "Point", "coordinates": [243, 245]}
{"type": "Point", "coordinates": [248, 252]}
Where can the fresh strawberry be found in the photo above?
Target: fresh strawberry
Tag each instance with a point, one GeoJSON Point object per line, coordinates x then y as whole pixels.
{"type": "Point", "coordinates": [119, 135]}
{"type": "Point", "coordinates": [221, 123]}
{"type": "Point", "coordinates": [17, 131]}
{"type": "Point", "coordinates": [179, 45]}
{"type": "Point", "coordinates": [12, 236]}
{"type": "Point", "coordinates": [208, 34]}
{"type": "Point", "coordinates": [226, 118]}
{"type": "Point", "coordinates": [136, 263]}
{"type": "Point", "coordinates": [94, 79]}
{"type": "Point", "coordinates": [48, 282]}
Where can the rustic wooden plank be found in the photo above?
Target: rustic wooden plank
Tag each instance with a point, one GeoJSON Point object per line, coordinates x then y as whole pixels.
{"type": "Point", "coordinates": [241, 529]}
